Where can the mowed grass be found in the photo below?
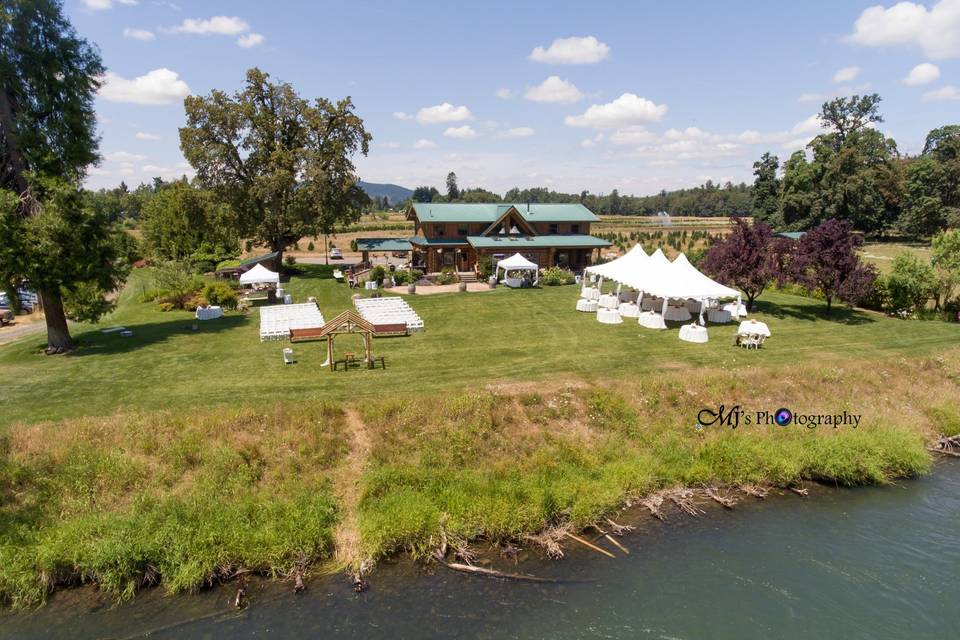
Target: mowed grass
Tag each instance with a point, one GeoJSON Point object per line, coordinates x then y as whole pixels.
{"type": "Point", "coordinates": [881, 254]}
{"type": "Point", "coordinates": [471, 340]}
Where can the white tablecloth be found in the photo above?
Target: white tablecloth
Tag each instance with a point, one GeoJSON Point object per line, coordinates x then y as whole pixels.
{"type": "Point", "coordinates": [752, 327]}
{"type": "Point", "coordinates": [609, 316]}
{"type": "Point", "coordinates": [590, 293]}
{"type": "Point", "coordinates": [649, 304]}
{"type": "Point", "coordinates": [693, 333]}
{"type": "Point", "coordinates": [651, 320]}
{"type": "Point", "coordinates": [677, 314]}
{"type": "Point", "coordinates": [590, 306]}
{"type": "Point", "coordinates": [629, 310]}
{"type": "Point", "coordinates": [732, 308]}
{"type": "Point", "coordinates": [208, 313]}
{"type": "Point", "coordinates": [719, 316]}
{"type": "Point", "coordinates": [609, 301]}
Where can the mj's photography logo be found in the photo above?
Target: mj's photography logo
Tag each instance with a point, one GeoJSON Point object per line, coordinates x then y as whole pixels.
{"type": "Point", "coordinates": [735, 416]}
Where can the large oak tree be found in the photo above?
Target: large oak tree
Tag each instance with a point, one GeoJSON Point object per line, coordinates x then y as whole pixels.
{"type": "Point", "coordinates": [49, 77]}
{"type": "Point", "coordinates": [283, 163]}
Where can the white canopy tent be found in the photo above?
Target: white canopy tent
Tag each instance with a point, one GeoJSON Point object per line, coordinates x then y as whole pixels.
{"type": "Point", "coordinates": [260, 275]}
{"type": "Point", "coordinates": [655, 275]}
{"type": "Point", "coordinates": [516, 262]}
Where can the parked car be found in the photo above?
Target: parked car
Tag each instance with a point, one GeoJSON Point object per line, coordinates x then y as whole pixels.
{"type": "Point", "coordinates": [336, 254]}
{"type": "Point", "coordinates": [6, 316]}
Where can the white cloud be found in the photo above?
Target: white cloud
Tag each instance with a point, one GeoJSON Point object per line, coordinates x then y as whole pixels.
{"type": "Point", "coordinates": [554, 89]}
{"type": "Point", "coordinates": [846, 74]}
{"type": "Point", "coordinates": [250, 40]}
{"type": "Point", "coordinates": [464, 132]}
{"type": "Point", "coordinates": [124, 156]}
{"type": "Point", "coordinates": [627, 110]}
{"type": "Point", "coordinates": [423, 143]}
{"type": "Point", "coordinates": [948, 92]}
{"type": "Point", "coordinates": [445, 112]}
{"type": "Point", "coordinates": [504, 94]}
{"type": "Point", "coordinates": [810, 124]}
{"type": "Point", "coordinates": [923, 73]}
{"type": "Point", "coordinates": [520, 132]}
{"type": "Point", "coordinates": [636, 134]}
{"type": "Point", "coordinates": [217, 25]}
{"type": "Point", "coordinates": [574, 50]}
{"type": "Point", "coordinates": [935, 30]}
{"type": "Point", "coordinates": [160, 86]}
{"type": "Point", "coordinates": [811, 97]}
{"type": "Point", "coordinates": [147, 136]}
{"type": "Point", "coordinates": [138, 34]}
{"type": "Point", "coordinates": [592, 142]}
{"type": "Point", "coordinates": [400, 115]}
{"type": "Point", "coordinates": [100, 5]}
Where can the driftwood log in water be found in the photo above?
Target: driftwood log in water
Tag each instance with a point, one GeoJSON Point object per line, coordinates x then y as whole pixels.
{"type": "Point", "coordinates": [616, 544]}
{"type": "Point", "coordinates": [618, 528]}
{"type": "Point", "coordinates": [755, 490]}
{"type": "Point", "coordinates": [590, 545]}
{"type": "Point", "coordinates": [948, 446]}
{"type": "Point", "coordinates": [493, 573]}
{"type": "Point", "coordinates": [800, 491]}
{"type": "Point", "coordinates": [726, 501]}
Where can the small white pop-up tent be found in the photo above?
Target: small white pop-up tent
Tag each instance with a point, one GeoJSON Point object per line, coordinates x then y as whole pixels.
{"type": "Point", "coordinates": [260, 275]}
{"type": "Point", "coordinates": [516, 262]}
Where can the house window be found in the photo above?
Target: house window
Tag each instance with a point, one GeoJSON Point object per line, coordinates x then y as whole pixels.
{"type": "Point", "coordinates": [554, 229]}
{"type": "Point", "coordinates": [438, 229]}
{"type": "Point", "coordinates": [463, 231]}
{"type": "Point", "coordinates": [575, 228]}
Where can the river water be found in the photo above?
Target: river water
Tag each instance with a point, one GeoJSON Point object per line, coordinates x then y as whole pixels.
{"type": "Point", "coordinates": [861, 563]}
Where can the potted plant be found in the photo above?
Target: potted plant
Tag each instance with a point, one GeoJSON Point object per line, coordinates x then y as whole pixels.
{"type": "Point", "coordinates": [492, 281]}
{"type": "Point", "coordinates": [462, 287]}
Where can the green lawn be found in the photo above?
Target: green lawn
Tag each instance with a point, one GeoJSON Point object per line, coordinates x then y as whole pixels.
{"type": "Point", "coordinates": [881, 254]}
{"type": "Point", "coordinates": [471, 339]}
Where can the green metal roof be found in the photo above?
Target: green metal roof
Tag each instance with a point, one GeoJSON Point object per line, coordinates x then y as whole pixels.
{"type": "Point", "coordinates": [533, 212]}
{"type": "Point", "coordinates": [267, 257]}
{"type": "Point", "coordinates": [437, 242]}
{"type": "Point", "coordinates": [536, 242]}
{"type": "Point", "coordinates": [383, 244]}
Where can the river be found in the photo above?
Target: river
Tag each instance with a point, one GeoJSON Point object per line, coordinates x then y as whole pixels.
{"type": "Point", "coordinates": [880, 562]}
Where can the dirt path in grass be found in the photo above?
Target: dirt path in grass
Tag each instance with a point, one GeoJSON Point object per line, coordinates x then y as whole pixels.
{"type": "Point", "coordinates": [347, 486]}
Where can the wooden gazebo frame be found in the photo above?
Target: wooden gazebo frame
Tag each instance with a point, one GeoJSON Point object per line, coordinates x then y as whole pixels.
{"type": "Point", "coordinates": [349, 321]}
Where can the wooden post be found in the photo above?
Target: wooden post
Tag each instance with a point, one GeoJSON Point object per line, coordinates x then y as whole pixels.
{"type": "Point", "coordinates": [330, 350]}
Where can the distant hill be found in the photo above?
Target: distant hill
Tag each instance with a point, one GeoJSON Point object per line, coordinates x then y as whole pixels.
{"type": "Point", "coordinates": [394, 193]}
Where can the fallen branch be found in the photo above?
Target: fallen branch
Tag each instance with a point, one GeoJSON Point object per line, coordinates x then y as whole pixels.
{"type": "Point", "coordinates": [616, 544]}
{"type": "Point", "coordinates": [800, 491]}
{"type": "Point", "coordinates": [755, 490]}
{"type": "Point", "coordinates": [653, 504]}
{"type": "Point", "coordinates": [725, 501]}
{"type": "Point", "coordinates": [619, 529]}
{"type": "Point", "coordinates": [590, 545]}
{"type": "Point", "coordinates": [682, 498]}
{"type": "Point", "coordinates": [493, 573]}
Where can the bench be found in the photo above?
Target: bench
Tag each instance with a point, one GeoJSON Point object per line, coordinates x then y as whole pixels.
{"type": "Point", "coordinates": [395, 329]}
{"type": "Point", "coordinates": [305, 335]}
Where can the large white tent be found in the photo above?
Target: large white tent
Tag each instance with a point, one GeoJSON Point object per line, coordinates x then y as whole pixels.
{"type": "Point", "coordinates": [655, 275]}
{"type": "Point", "coordinates": [260, 275]}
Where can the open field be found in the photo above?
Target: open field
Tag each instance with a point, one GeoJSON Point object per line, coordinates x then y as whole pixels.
{"type": "Point", "coordinates": [185, 457]}
{"type": "Point", "coordinates": [881, 254]}
{"type": "Point", "coordinates": [470, 340]}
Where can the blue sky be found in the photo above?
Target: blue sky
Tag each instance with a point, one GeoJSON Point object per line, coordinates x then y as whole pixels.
{"type": "Point", "coordinates": [637, 96]}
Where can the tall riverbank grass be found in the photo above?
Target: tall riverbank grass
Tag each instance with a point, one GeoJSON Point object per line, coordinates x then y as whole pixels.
{"type": "Point", "coordinates": [189, 498]}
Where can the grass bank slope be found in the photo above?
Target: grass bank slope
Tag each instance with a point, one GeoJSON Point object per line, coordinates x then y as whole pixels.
{"type": "Point", "coordinates": [190, 497]}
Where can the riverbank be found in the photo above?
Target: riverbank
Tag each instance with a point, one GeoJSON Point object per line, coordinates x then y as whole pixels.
{"type": "Point", "coordinates": [186, 499]}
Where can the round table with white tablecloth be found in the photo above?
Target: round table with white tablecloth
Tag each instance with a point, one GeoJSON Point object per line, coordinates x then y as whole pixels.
{"type": "Point", "coordinates": [732, 308]}
{"type": "Point", "coordinates": [651, 320]}
{"type": "Point", "coordinates": [677, 314]}
{"type": "Point", "coordinates": [208, 313]}
{"type": "Point", "coordinates": [693, 333]}
{"type": "Point", "coordinates": [693, 306]}
{"type": "Point", "coordinates": [629, 310]}
{"type": "Point", "coordinates": [720, 316]}
{"type": "Point", "coordinates": [651, 304]}
{"type": "Point", "coordinates": [753, 328]}
{"type": "Point", "coordinates": [609, 300]}
{"type": "Point", "coordinates": [590, 293]}
{"type": "Point", "coordinates": [608, 316]}
{"type": "Point", "coordinates": [590, 306]}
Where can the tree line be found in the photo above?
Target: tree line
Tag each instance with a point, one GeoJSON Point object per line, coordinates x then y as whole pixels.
{"type": "Point", "coordinates": [709, 199]}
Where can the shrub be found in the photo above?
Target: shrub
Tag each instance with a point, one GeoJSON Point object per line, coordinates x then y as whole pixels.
{"type": "Point", "coordinates": [406, 277]}
{"type": "Point", "coordinates": [910, 284]}
{"type": "Point", "coordinates": [221, 294]}
{"type": "Point", "coordinates": [447, 276]}
{"type": "Point", "coordinates": [290, 261]}
{"type": "Point", "coordinates": [196, 301]}
{"type": "Point", "coordinates": [310, 247]}
{"type": "Point", "coordinates": [485, 267]}
{"type": "Point", "coordinates": [166, 306]}
{"type": "Point", "coordinates": [178, 283]}
{"type": "Point", "coordinates": [353, 245]}
{"type": "Point", "coordinates": [556, 276]}
{"type": "Point", "coordinates": [377, 274]}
